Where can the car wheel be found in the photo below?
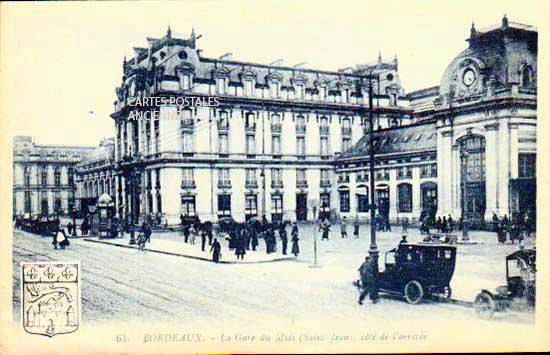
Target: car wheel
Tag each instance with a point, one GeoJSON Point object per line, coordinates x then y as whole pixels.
{"type": "Point", "coordinates": [484, 305]}
{"type": "Point", "coordinates": [414, 292]}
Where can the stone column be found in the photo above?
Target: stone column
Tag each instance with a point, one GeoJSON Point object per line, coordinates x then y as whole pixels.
{"type": "Point", "coordinates": [503, 168]}
{"type": "Point", "coordinates": [514, 150]}
{"type": "Point", "coordinates": [456, 169]}
{"type": "Point", "coordinates": [444, 167]}
{"type": "Point", "coordinates": [491, 170]}
{"type": "Point", "coordinates": [153, 136]}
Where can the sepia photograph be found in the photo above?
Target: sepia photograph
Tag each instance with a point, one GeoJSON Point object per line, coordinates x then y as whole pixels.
{"type": "Point", "coordinates": [272, 177]}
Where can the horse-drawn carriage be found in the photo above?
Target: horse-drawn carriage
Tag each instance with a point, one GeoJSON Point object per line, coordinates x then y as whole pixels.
{"type": "Point", "coordinates": [519, 293]}
{"type": "Point", "coordinates": [418, 270]}
{"type": "Point", "coordinates": [43, 225]}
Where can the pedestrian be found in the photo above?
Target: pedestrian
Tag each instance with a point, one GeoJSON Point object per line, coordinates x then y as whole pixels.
{"type": "Point", "coordinates": [215, 249]}
{"type": "Point", "coordinates": [210, 235]}
{"type": "Point", "coordinates": [203, 240]}
{"type": "Point", "coordinates": [403, 240]}
{"type": "Point", "coordinates": [186, 231]}
{"type": "Point", "coordinates": [192, 235]}
{"type": "Point", "coordinates": [284, 238]}
{"type": "Point", "coordinates": [450, 223]}
{"type": "Point", "coordinates": [356, 228]}
{"type": "Point", "coordinates": [367, 280]}
{"type": "Point", "coordinates": [85, 226]}
{"type": "Point", "coordinates": [438, 224]}
{"type": "Point", "coordinates": [254, 239]}
{"type": "Point", "coordinates": [444, 225]}
{"type": "Point", "coordinates": [62, 238]}
{"type": "Point", "coordinates": [324, 226]}
{"type": "Point", "coordinates": [295, 239]}
{"type": "Point", "coordinates": [70, 228]}
{"type": "Point", "coordinates": [182, 219]}
{"type": "Point", "coordinates": [344, 228]}
{"type": "Point", "coordinates": [405, 225]}
{"type": "Point", "coordinates": [55, 236]}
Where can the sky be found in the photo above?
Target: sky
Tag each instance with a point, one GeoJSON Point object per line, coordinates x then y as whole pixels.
{"type": "Point", "coordinates": [62, 61]}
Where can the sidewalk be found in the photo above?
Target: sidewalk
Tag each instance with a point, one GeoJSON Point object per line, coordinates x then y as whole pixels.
{"type": "Point", "coordinates": [173, 244]}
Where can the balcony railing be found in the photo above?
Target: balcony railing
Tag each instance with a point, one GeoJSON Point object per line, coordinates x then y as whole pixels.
{"type": "Point", "coordinates": [343, 179]}
{"type": "Point", "coordinates": [276, 128]}
{"type": "Point", "coordinates": [325, 130]}
{"type": "Point", "coordinates": [346, 131]}
{"type": "Point", "coordinates": [251, 185]}
{"type": "Point", "coordinates": [188, 184]}
{"type": "Point", "coordinates": [277, 184]}
{"type": "Point", "coordinates": [300, 129]}
{"type": "Point", "coordinates": [301, 183]}
{"type": "Point", "coordinates": [325, 183]}
{"type": "Point", "coordinates": [408, 175]}
{"type": "Point", "coordinates": [224, 184]}
{"type": "Point", "coordinates": [250, 129]}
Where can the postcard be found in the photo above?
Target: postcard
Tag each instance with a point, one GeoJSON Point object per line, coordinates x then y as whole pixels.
{"type": "Point", "coordinates": [273, 177]}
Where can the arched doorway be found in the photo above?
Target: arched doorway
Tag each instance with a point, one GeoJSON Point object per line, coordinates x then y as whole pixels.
{"type": "Point", "coordinates": [429, 199]}
{"type": "Point", "coordinates": [472, 155]}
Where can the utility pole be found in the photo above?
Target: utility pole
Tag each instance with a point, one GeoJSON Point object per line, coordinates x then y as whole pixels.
{"type": "Point", "coordinates": [373, 250]}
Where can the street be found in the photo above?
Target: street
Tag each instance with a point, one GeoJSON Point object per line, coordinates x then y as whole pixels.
{"type": "Point", "coordinates": [120, 284]}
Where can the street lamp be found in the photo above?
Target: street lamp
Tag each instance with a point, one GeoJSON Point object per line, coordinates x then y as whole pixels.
{"type": "Point", "coordinates": [373, 249]}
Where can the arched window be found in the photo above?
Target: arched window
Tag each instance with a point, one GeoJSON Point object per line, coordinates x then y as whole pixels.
{"type": "Point", "coordinates": [404, 191]}
{"type": "Point", "coordinates": [526, 76]}
{"type": "Point", "coordinates": [363, 199]}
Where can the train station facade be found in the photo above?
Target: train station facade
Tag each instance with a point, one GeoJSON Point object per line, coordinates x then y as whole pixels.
{"type": "Point", "coordinates": [289, 142]}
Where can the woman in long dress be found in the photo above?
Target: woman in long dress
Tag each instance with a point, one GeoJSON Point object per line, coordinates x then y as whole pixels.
{"type": "Point", "coordinates": [295, 239]}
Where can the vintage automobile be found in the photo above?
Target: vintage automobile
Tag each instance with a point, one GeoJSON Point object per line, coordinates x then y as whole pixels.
{"type": "Point", "coordinates": [418, 270]}
{"type": "Point", "coordinates": [519, 293]}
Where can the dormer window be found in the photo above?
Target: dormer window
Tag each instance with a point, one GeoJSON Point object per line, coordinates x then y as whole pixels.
{"type": "Point", "coordinates": [322, 93]}
{"type": "Point", "coordinates": [248, 88]}
{"type": "Point", "coordinates": [220, 85]}
{"type": "Point", "coordinates": [275, 88]}
{"type": "Point", "coordinates": [345, 95]}
{"type": "Point", "coordinates": [185, 81]}
{"type": "Point", "coordinates": [300, 91]}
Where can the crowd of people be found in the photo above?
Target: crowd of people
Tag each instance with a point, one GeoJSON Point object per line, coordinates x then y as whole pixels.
{"type": "Point", "coordinates": [241, 237]}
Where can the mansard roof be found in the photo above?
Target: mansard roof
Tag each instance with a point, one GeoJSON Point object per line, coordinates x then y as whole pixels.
{"type": "Point", "coordinates": [398, 140]}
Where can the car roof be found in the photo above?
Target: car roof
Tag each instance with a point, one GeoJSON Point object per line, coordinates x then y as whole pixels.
{"type": "Point", "coordinates": [522, 254]}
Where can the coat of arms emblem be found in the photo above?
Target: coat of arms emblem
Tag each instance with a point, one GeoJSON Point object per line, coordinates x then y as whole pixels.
{"type": "Point", "coordinates": [50, 297]}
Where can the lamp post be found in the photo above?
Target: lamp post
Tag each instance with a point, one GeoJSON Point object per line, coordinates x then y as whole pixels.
{"type": "Point", "coordinates": [373, 249]}
{"type": "Point", "coordinates": [73, 200]}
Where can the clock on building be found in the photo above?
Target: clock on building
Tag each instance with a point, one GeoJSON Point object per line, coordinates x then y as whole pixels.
{"type": "Point", "coordinates": [469, 77]}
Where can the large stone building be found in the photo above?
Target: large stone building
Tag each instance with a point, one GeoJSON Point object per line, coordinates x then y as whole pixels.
{"type": "Point", "coordinates": [267, 149]}
{"type": "Point", "coordinates": [288, 142]}
{"type": "Point", "coordinates": [472, 149]}
{"type": "Point", "coordinates": [43, 176]}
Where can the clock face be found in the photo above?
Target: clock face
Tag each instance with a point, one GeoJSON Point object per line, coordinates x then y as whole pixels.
{"type": "Point", "coordinates": [469, 77]}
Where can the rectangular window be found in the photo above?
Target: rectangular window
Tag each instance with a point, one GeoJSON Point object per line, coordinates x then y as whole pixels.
{"type": "Point", "coordinates": [188, 177]}
{"type": "Point", "coordinates": [277, 204]}
{"type": "Point", "coordinates": [301, 146]}
{"type": "Point", "coordinates": [251, 176]}
{"type": "Point", "coordinates": [324, 147]}
{"type": "Point", "coordinates": [223, 122]}
{"type": "Point", "coordinates": [251, 205]}
{"type": "Point", "coordinates": [345, 95]}
{"type": "Point", "coordinates": [527, 165]}
{"type": "Point", "coordinates": [188, 206]}
{"type": "Point", "coordinates": [346, 144]}
{"type": "Point", "coordinates": [224, 205]}
{"type": "Point", "coordinates": [276, 177]}
{"type": "Point", "coordinates": [250, 144]}
{"type": "Point", "coordinates": [344, 201]}
{"type": "Point", "coordinates": [27, 201]}
{"type": "Point", "coordinates": [275, 89]}
{"type": "Point", "coordinates": [276, 145]}
{"type": "Point", "coordinates": [223, 143]}
{"type": "Point", "coordinates": [325, 179]}
{"type": "Point", "coordinates": [223, 177]}
{"type": "Point", "coordinates": [301, 177]}
{"type": "Point", "coordinates": [187, 142]}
